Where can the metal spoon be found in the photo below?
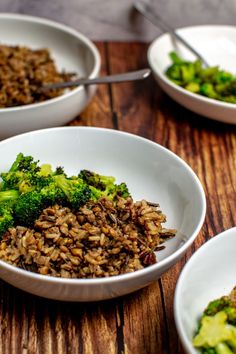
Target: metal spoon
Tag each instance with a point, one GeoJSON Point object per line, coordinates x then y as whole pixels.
{"type": "Point", "coordinates": [129, 76]}
{"type": "Point", "coordinates": [147, 12]}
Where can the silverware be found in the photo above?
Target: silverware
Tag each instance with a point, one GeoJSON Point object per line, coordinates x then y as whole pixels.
{"type": "Point", "coordinates": [129, 76]}
{"type": "Point", "coordinates": [146, 10]}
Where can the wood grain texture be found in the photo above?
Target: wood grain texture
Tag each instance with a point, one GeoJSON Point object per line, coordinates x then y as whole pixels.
{"type": "Point", "coordinates": [142, 322]}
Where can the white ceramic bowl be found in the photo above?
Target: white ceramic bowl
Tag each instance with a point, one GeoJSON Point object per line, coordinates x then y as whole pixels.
{"type": "Point", "coordinates": [208, 275]}
{"type": "Point", "coordinates": [217, 44]}
{"type": "Point", "coordinates": [71, 51]}
{"type": "Point", "coordinates": [150, 171]}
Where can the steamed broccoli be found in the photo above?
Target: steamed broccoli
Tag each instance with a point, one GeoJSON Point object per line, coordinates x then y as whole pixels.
{"type": "Point", "coordinates": [6, 219]}
{"type": "Point", "coordinates": [8, 200]}
{"type": "Point", "coordinates": [27, 188]}
{"type": "Point", "coordinates": [28, 208]}
{"type": "Point", "coordinates": [25, 175]}
{"type": "Point", "coordinates": [52, 194]}
{"type": "Point", "coordinates": [76, 190]}
{"type": "Point", "coordinates": [211, 82]}
{"type": "Point", "coordinates": [8, 196]}
{"type": "Point", "coordinates": [103, 186]}
{"type": "Point", "coordinates": [217, 305]}
{"type": "Point", "coordinates": [96, 180]}
{"type": "Point", "coordinates": [217, 330]}
{"type": "Point", "coordinates": [31, 204]}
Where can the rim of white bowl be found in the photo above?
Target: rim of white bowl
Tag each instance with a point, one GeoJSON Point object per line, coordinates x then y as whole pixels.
{"type": "Point", "coordinates": [180, 328]}
{"type": "Point", "coordinates": [56, 25]}
{"type": "Point", "coordinates": [116, 278]}
{"type": "Point", "coordinates": [168, 82]}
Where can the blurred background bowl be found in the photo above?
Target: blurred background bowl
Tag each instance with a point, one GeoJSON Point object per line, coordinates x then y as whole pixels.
{"type": "Point", "coordinates": [208, 275]}
{"type": "Point", "coordinates": [71, 51]}
{"type": "Point", "coordinates": [217, 44]}
{"type": "Point", "coordinates": [151, 172]}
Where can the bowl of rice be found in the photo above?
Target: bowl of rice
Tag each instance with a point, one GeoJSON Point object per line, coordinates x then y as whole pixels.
{"type": "Point", "coordinates": [35, 52]}
{"type": "Point", "coordinates": [119, 239]}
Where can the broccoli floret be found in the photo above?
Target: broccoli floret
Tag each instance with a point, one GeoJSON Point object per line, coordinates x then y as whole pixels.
{"type": "Point", "coordinates": [207, 89]}
{"type": "Point", "coordinates": [9, 196]}
{"type": "Point", "coordinates": [24, 164]}
{"type": "Point", "coordinates": [215, 330]}
{"type": "Point", "coordinates": [96, 180]}
{"type": "Point", "coordinates": [76, 190]}
{"type": "Point", "coordinates": [60, 171]}
{"type": "Point", "coordinates": [174, 73]}
{"type": "Point", "coordinates": [208, 351]}
{"type": "Point", "coordinates": [52, 194]}
{"type": "Point", "coordinates": [193, 87]}
{"type": "Point", "coordinates": [222, 348]}
{"type": "Point", "coordinates": [122, 190]}
{"type": "Point", "coordinates": [217, 333]}
{"type": "Point", "coordinates": [21, 167]}
{"type": "Point", "coordinates": [103, 186]}
{"type": "Point", "coordinates": [25, 175]}
{"type": "Point", "coordinates": [8, 200]}
{"type": "Point", "coordinates": [28, 208]}
{"type": "Point", "coordinates": [30, 205]}
{"type": "Point", "coordinates": [176, 59]}
{"type": "Point", "coordinates": [95, 193]}
{"type": "Point", "coordinates": [217, 305]}
{"type": "Point", "coordinates": [6, 219]}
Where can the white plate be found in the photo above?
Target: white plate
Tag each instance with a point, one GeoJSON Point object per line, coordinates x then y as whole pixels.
{"type": "Point", "coordinates": [150, 171]}
{"type": "Point", "coordinates": [217, 44]}
{"type": "Point", "coordinates": [208, 275]}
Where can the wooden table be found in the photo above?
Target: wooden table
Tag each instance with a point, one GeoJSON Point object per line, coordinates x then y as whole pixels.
{"type": "Point", "coordinates": [142, 322]}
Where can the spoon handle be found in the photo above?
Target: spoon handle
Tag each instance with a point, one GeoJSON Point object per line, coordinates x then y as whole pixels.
{"type": "Point", "coordinates": [147, 12]}
{"type": "Point", "coordinates": [130, 76]}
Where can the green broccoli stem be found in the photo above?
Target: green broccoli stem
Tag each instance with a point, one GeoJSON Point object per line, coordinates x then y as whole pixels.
{"type": "Point", "coordinates": [222, 348]}
{"type": "Point", "coordinates": [62, 183]}
{"type": "Point", "coordinates": [15, 165]}
{"type": "Point", "coordinates": [9, 195]}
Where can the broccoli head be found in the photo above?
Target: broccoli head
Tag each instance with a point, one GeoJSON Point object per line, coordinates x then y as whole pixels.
{"type": "Point", "coordinates": [24, 163]}
{"type": "Point", "coordinates": [28, 208]}
{"type": "Point", "coordinates": [9, 197]}
{"type": "Point", "coordinates": [6, 220]}
{"type": "Point", "coordinates": [52, 194]}
{"type": "Point", "coordinates": [96, 180]}
{"type": "Point", "coordinates": [30, 205]}
{"type": "Point", "coordinates": [121, 190]}
{"type": "Point", "coordinates": [21, 166]}
{"type": "Point", "coordinates": [103, 186]}
{"type": "Point", "coordinates": [217, 331]}
{"type": "Point", "coordinates": [217, 305]}
{"type": "Point", "coordinates": [25, 175]}
{"type": "Point", "coordinates": [214, 332]}
{"type": "Point", "coordinates": [76, 190]}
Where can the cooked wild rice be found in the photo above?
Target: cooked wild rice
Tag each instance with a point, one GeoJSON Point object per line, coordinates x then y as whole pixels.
{"type": "Point", "coordinates": [99, 240]}
{"type": "Point", "coordinates": [23, 71]}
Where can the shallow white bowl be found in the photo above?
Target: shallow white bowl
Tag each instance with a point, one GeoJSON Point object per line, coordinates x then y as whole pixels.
{"type": "Point", "coordinates": [150, 171]}
{"type": "Point", "coordinates": [217, 44]}
{"type": "Point", "coordinates": [208, 275]}
{"type": "Point", "coordinates": [71, 51]}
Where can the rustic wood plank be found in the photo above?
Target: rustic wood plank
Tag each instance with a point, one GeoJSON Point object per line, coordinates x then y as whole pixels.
{"type": "Point", "coordinates": [98, 113]}
{"type": "Point", "coordinates": [144, 322]}
{"type": "Point", "coordinates": [131, 101]}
